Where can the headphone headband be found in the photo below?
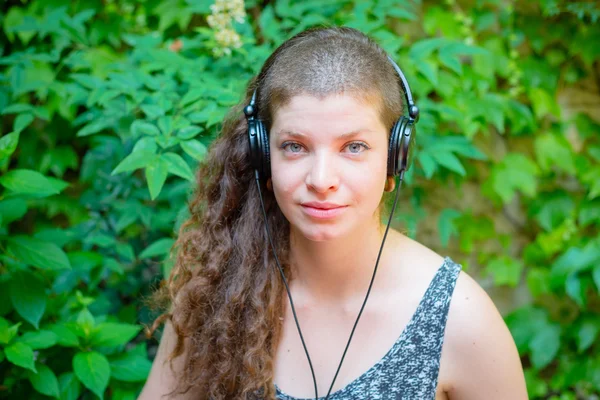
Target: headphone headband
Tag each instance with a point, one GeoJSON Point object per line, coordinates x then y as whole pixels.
{"type": "Point", "coordinates": [413, 110]}
{"type": "Point", "coordinates": [401, 141]}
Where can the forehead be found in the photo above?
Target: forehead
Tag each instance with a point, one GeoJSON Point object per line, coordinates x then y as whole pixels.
{"type": "Point", "coordinates": [339, 113]}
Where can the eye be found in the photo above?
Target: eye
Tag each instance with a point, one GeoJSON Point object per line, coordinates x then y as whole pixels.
{"type": "Point", "coordinates": [355, 147]}
{"type": "Point", "coordinates": [292, 147]}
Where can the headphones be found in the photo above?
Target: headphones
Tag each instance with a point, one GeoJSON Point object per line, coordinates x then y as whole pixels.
{"type": "Point", "coordinates": [402, 135]}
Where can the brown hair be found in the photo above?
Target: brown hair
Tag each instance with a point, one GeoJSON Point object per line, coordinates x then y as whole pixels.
{"type": "Point", "coordinates": [225, 295]}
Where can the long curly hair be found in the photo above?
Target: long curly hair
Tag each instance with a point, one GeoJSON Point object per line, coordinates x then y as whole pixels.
{"type": "Point", "coordinates": [225, 297]}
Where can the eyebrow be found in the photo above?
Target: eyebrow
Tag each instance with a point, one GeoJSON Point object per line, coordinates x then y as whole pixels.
{"type": "Point", "coordinates": [347, 135]}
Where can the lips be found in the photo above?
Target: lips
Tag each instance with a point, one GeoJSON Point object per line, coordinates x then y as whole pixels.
{"type": "Point", "coordinates": [323, 211]}
{"type": "Point", "coordinates": [322, 205]}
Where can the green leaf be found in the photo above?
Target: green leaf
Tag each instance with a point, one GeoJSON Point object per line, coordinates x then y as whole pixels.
{"type": "Point", "coordinates": [492, 109]}
{"type": "Point", "coordinates": [450, 161]}
{"type": "Point", "coordinates": [446, 225]}
{"type": "Point", "coordinates": [429, 69]}
{"type": "Point", "coordinates": [596, 276]}
{"type": "Point", "coordinates": [401, 13]}
{"type": "Point", "coordinates": [195, 94]}
{"type": "Point", "coordinates": [505, 270]}
{"type": "Point", "coordinates": [94, 127]}
{"type": "Point", "coordinates": [112, 334]}
{"type": "Point", "coordinates": [536, 386]}
{"type": "Point", "coordinates": [8, 144]}
{"type": "Point", "coordinates": [592, 179]}
{"type": "Point", "coordinates": [130, 368]}
{"type": "Point", "coordinates": [28, 296]}
{"type": "Point", "coordinates": [152, 111]}
{"type": "Point", "coordinates": [424, 48]}
{"type": "Point", "coordinates": [18, 108]}
{"type": "Point", "coordinates": [22, 121]}
{"type": "Point", "coordinates": [515, 173]}
{"type": "Point", "coordinates": [194, 148]}
{"type": "Point", "coordinates": [574, 260]}
{"type": "Point", "coordinates": [114, 265]}
{"type": "Point", "coordinates": [156, 175]}
{"type": "Point", "coordinates": [125, 250]}
{"type": "Point", "coordinates": [139, 128]}
{"type": "Point", "coordinates": [38, 253]}
{"type": "Point", "coordinates": [87, 81]}
{"type": "Point", "coordinates": [538, 281]}
{"type": "Point", "coordinates": [451, 60]}
{"type": "Point", "coordinates": [166, 125]}
{"type": "Point", "coordinates": [575, 288]}
{"type": "Point", "coordinates": [64, 336]}
{"type": "Point", "coordinates": [7, 332]}
{"type": "Point", "coordinates": [136, 160]}
{"type": "Point", "coordinates": [209, 114]}
{"type": "Point", "coordinates": [101, 240]}
{"type": "Point", "coordinates": [543, 103]}
{"type": "Point", "coordinates": [159, 248]}
{"type": "Point", "coordinates": [587, 332]}
{"type": "Point", "coordinates": [41, 339]}
{"type": "Point", "coordinates": [12, 210]}
{"type": "Point", "coordinates": [554, 210]}
{"type": "Point", "coordinates": [44, 381]}
{"type": "Point", "coordinates": [177, 166]}
{"type": "Point", "coordinates": [85, 323]}
{"type": "Point", "coordinates": [269, 25]}
{"type": "Point", "coordinates": [189, 132]}
{"type": "Point", "coordinates": [20, 354]}
{"type": "Point", "coordinates": [24, 181]}
{"type": "Point", "coordinates": [70, 388]}
{"type": "Point", "coordinates": [589, 213]}
{"type": "Point", "coordinates": [146, 144]}
{"type": "Point", "coordinates": [93, 370]}
{"type": "Point", "coordinates": [554, 151]}
{"type": "Point", "coordinates": [544, 346]}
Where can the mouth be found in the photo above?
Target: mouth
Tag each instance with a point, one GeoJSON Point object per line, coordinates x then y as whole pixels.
{"type": "Point", "coordinates": [323, 210]}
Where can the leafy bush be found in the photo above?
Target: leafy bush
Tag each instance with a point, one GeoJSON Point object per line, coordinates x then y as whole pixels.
{"type": "Point", "coordinates": [109, 106]}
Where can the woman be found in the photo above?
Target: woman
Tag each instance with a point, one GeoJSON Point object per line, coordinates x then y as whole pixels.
{"type": "Point", "coordinates": [328, 99]}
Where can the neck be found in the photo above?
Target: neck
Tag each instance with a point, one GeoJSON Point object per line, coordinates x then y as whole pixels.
{"type": "Point", "coordinates": [337, 270]}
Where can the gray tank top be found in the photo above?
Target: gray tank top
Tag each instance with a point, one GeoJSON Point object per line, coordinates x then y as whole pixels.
{"type": "Point", "coordinates": [409, 370]}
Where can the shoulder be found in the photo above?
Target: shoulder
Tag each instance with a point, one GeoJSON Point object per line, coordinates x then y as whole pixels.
{"type": "Point", "coordinates": [479, 347]}
{"type": "Point", "coordinates": [479, 356]}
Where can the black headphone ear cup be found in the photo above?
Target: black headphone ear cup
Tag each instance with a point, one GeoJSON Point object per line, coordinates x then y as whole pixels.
{"type": "Point", "coordinates": [402, 140]}
{"type": "Point", "coordinates": [408, 135]}
{"type": "Point", "coordinates": [254, 144]}
{"type": "Point", "coordinates": [395, 137]}
{"type": "Point", "coordinates": [265, 154]}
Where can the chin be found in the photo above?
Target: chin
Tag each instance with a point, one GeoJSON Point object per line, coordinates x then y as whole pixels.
{"type": "Point", "coordinates": [319, 233]}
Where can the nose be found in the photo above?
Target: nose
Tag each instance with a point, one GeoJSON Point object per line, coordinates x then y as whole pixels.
{"type": "Point", "coordinates": [323, 175]}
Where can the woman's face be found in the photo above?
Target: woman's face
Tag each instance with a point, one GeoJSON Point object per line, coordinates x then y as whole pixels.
{"type": "Point", "coordinates": [329, 163]}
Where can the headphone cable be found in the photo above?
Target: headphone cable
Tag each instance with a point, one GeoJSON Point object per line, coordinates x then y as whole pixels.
{"type": "Point", "coordinates": [257, 179]}
{"type": "Point", "coordinates": [287, 288]}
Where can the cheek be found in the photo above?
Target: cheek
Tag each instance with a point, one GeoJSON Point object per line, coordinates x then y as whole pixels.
{"type": "Point", "coordinates": [283, 188]}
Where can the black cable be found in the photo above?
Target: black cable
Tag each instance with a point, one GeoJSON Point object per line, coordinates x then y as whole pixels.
{"type": "Point", "coordinates": [287, 288]}
{"type": "Point", "coordinates": [256, 175]}
{"type": "Point", "coordinates": [370, 284]}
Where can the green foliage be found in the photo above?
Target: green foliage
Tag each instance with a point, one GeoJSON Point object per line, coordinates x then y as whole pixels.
{"type": "Point", "coordinates": [109, 106]}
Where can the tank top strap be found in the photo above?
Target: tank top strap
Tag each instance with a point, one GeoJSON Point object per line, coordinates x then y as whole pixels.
{"type": "Point", "coordinates": [432, 313]}
{"type": "Point", "coordinates": [415, 361]}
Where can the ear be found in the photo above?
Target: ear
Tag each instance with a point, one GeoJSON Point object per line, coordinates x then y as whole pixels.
{"type": "Point", "coordinates": [390, 184]}
{"type": "Point", "coordinates": [269, 185]}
